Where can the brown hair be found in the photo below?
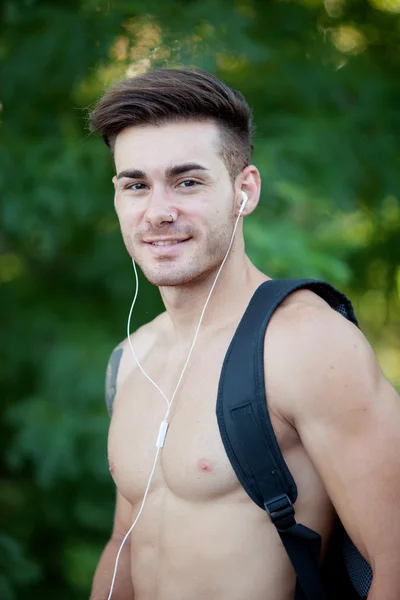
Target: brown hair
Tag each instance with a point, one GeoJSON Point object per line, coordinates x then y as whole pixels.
{"type": "Point", "coordinates": [168, 95]}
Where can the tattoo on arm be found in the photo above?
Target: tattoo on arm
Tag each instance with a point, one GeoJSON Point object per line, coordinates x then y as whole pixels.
{"type": "Point", "coordinates": [111, 378]}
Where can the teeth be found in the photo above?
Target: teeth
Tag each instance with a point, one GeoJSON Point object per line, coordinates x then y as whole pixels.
{"type": "Point", "coordinates": [165, 243]}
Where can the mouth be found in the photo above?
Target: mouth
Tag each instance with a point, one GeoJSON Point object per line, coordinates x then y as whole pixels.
{"type": "Point", "coordinates": [166, 242]}
{"type": "Point", "coordinates": [165, 246]}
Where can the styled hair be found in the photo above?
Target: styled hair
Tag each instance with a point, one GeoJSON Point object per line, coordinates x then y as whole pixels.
{"type": "Point", "coordinates": [172, 95]}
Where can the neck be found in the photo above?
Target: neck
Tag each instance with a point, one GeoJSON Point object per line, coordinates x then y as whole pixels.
{"type": "Point", "coordinates": [236, 284]}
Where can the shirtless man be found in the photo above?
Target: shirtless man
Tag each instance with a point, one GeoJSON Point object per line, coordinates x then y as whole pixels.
{"type": "Point", "coordinates": [181, 142]}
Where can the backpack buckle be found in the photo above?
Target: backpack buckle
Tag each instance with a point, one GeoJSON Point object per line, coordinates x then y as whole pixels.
{"type": "Point", "coordinates": [280, 511]}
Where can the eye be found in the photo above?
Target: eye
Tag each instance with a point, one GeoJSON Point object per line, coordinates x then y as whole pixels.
{"type": "Point", "coordinates": [135, 186]}
{"type": "Point", "coordinates": [189, 183]}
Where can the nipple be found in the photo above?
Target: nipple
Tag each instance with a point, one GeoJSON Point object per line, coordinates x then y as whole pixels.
{"type": "Point", "coordinates": [205, 465]}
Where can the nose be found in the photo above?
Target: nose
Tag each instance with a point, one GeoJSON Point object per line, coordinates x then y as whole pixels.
{"type": "Point", "coordinates": [159, 210]}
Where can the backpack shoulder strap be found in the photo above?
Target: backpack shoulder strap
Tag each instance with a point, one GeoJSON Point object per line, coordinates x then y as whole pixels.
{"type": "Point", "coordinates": [247, 432]}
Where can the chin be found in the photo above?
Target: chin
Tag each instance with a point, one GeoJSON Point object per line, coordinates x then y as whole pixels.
{"type": "Point", "coordinates": [169, 279]}
{"type": "Point", "coordinates": [170, 275]}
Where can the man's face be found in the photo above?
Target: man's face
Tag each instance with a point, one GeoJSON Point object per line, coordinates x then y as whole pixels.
{"type": "Point", "coordinates": [174, 200]}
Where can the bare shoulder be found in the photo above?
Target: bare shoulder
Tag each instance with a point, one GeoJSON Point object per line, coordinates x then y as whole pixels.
{"type": "Point", "coordinates": [331, 389]}
{"type": "Point", "coordinates": [142, 342]}
{"type": "Point", "coordinates": [122, 363]}
{"type": "Point", "coordinates": [316, 351]}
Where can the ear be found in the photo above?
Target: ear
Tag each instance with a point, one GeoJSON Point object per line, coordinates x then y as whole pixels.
{"type": "Point", "coordinates": [248, 181]}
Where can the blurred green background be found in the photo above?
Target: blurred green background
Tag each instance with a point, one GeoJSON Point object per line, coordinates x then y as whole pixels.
{"type": "Point", "coordinates": [323, 81]}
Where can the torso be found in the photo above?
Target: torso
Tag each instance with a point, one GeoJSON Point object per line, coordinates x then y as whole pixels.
{"type": "Point", "coordinates": [200, 536]}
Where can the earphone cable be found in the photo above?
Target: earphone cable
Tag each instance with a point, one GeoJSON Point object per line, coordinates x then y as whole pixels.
{"type": "Point", "coordinates": [163, 430]}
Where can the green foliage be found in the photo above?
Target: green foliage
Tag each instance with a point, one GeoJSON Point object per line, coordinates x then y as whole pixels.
{"type": "Point", "coordinates": [323, 81]}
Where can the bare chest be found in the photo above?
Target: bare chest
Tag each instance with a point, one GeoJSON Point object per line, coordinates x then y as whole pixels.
{"type": "Point", "coordinates": [193, 464]}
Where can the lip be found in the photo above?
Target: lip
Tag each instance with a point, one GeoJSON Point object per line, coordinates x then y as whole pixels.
{"type": "Point", "coordinates": [165, 249]}
{"type": "Point", "coordinates": [164, 239]}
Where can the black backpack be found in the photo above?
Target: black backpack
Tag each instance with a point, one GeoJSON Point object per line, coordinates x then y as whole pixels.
{"type": "Point", "coordinates": [254, 453]}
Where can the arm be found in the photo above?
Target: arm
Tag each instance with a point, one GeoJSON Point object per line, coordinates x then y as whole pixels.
{"type": "Point", "coordinates": [123, 588]}
{"type": "Point", "coordinates": [348, 417]}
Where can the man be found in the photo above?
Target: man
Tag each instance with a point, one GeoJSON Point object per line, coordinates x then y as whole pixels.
{"type": "Point", "coordinates": [181, 142]}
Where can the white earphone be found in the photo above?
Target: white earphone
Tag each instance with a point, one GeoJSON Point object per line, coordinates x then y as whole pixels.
{"type": "Point", "coordinates": [244, 200]}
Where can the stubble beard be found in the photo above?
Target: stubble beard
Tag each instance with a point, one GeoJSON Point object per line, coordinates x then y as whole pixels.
{"type": "Point", "coordinates": [203, 261]}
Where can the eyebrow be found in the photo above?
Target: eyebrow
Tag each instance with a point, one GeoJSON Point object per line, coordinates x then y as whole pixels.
{"type": "Point", "coordinates": [170, 172]}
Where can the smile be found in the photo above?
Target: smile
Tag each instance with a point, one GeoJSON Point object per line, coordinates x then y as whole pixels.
{"type": "Point", "coordinates": [163, 247]}
{"type": "Point", "coordinates": [166, 242]}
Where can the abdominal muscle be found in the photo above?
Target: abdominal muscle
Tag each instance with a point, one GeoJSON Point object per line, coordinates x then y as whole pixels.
{"type": "Point", "coordinates": [208, 551]}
